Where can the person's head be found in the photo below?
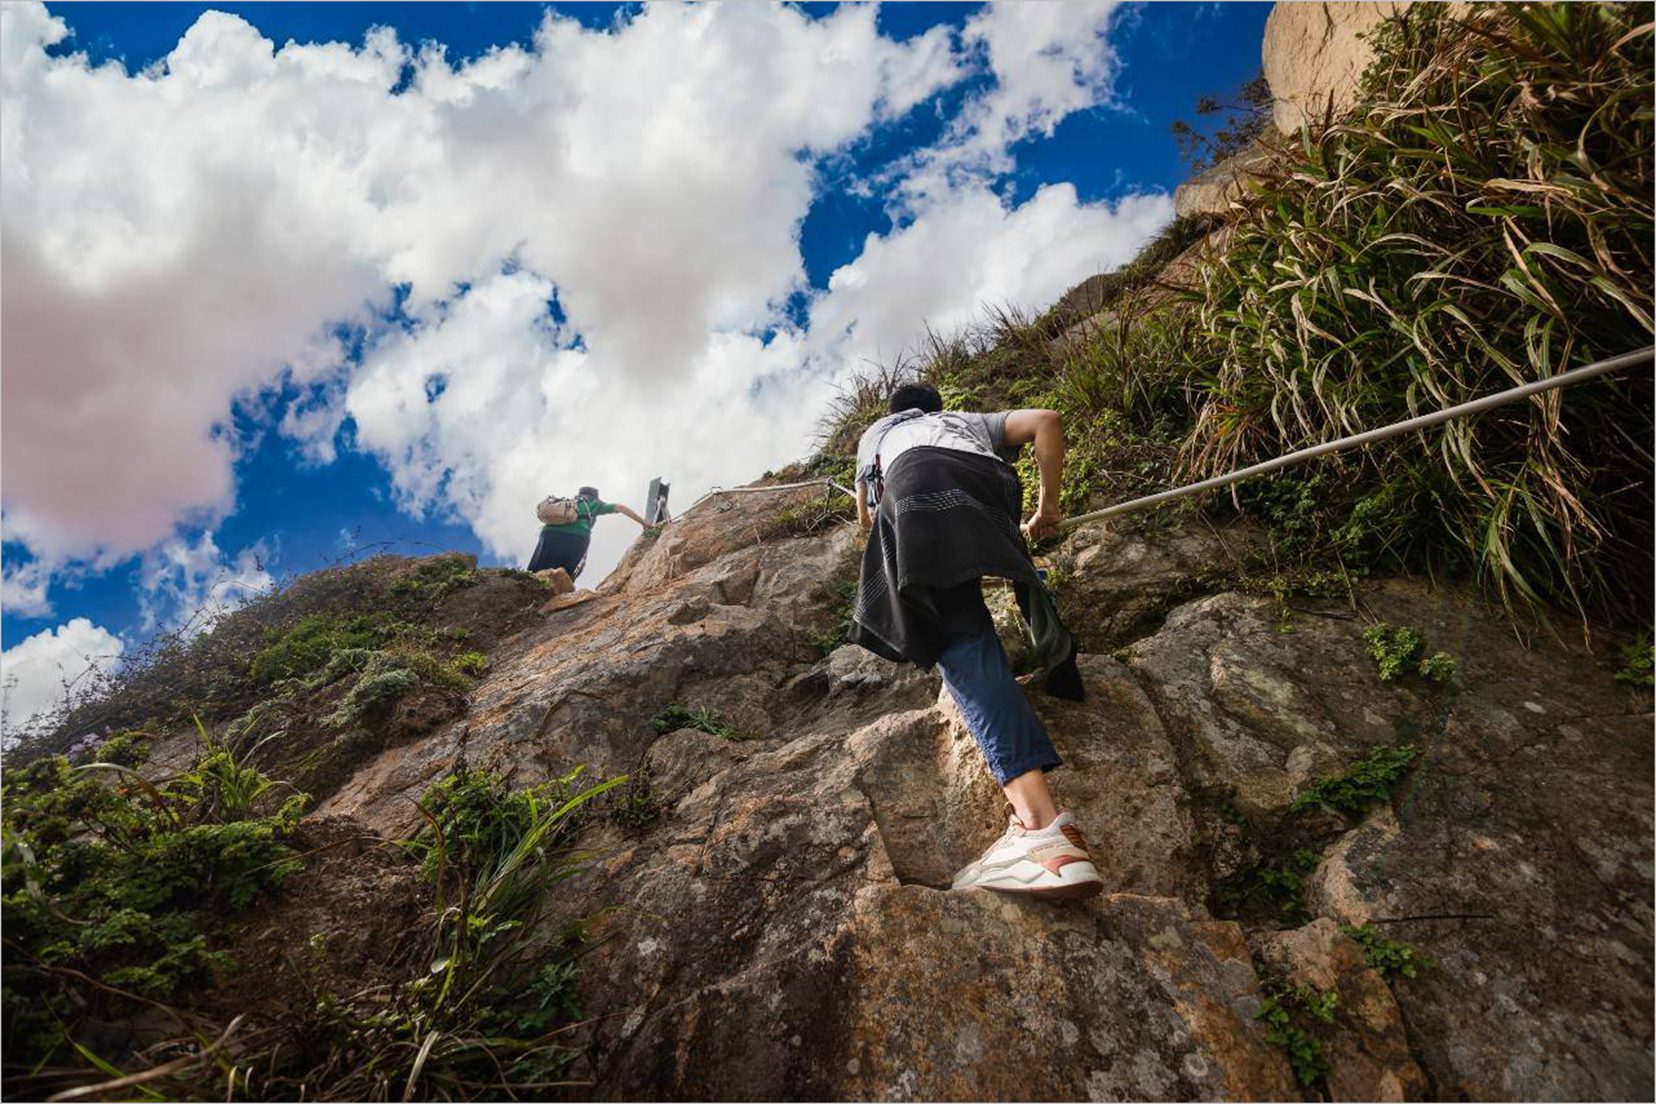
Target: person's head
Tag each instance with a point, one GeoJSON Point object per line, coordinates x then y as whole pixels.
{"type": "Point", "coordinates": [916, 396]}
{"type": "Point", "coordinates": [588, 493]}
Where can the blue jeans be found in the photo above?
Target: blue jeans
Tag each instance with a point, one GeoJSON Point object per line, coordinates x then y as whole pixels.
{"type": "Point", "coordinates": [979, 678]}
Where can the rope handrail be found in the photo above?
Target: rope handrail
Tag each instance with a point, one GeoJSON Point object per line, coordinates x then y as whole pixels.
{"type": "Point", "coordinates": [1421, 421]}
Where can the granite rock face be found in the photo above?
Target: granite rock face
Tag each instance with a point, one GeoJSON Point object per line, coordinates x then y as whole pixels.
{"type": "Point", "coordinates": [782, 928]}
{"type": "Point", "coordinates": [1314, 53]}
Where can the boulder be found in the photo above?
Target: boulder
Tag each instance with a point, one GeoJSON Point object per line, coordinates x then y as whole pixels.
{"type": "Point", "coordinates": [1215, 188]}
{"type": "Point", "coordinates": [1314, 54]}
{"type": "Point", "coordinates": [1367, 1047]}
{"type": "Point", "coordinates": [1517, 854]}
{"type": "Point", "coordinates": [1117, 579]}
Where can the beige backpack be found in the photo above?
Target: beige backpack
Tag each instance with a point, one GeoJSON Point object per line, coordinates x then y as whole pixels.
{"type": "Point", "coordinates": [557, 510]}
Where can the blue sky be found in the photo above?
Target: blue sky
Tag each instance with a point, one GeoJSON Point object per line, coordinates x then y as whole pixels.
{"type": "Point", "coordinates": [239, 260]}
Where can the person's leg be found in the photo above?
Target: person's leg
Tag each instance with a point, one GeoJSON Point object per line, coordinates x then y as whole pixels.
{"type": "Point", "coordinates": [1014, 742]}
{"type": "Point", "coordinates": [1031, 799]}
{"type": "Point", "coordinates": [1042, 853]}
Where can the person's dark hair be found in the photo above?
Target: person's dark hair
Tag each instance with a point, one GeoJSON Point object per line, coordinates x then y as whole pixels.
{"type": "Point", "coordinates": [587, 492]}
{"type": "Point", "coordinates": [916, 396]}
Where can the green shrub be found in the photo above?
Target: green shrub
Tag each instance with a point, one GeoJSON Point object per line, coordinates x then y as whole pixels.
{"type": "Point", "coordinates": [471, 663]}
{"type": "Point", "coordinates": [1638, 663]}
{"type": "Point", "coordinates": [311, 644]}
{"type": "Point", "coordinates": [437, 577]}
{"type": "Point", "coordinates": [383, 678]}
{"type": "Point", "coordinates": [115, 884]}
{"type": "Point", "coordinates": [1394, 650]}
{"type": "Point", "coordinates": [1391, 958]}
{"type": "Point", "coordinates": [1365, 784]}
{"type": "Point", "coordinates": [1439, 667]}
{"type": "Point", "coordinates": [1397, 651]}
{"type": "Point", "coordinates": [1291, 1015]}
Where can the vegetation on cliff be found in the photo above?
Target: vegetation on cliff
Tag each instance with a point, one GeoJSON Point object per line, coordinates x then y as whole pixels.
{"type": "Point", "coordinates": [1483, 218]}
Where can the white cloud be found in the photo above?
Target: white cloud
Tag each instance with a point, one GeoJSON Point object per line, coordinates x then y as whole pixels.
{"type": "Point", "coordinates": [179, 239]}
{"type": "Point", "coordinates": [1049, 60]}
{"type": "Point", "coordinates": [186, 586]}
{"type": "Point", "coordinates": [36, 675]}
{"type": "Point", "coordinates": [971, 250]}
{"type": "Point", "coordinates": [23, 589]}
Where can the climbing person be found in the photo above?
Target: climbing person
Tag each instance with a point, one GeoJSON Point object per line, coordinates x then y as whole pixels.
{"type": "Point", "coordinates": [565, 545]}
{"type": "Point", "coordinates": [941, 502]}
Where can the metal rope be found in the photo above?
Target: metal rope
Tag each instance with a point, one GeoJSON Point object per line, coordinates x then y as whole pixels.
{"type": "Point", "coordinates": [1460, 410]}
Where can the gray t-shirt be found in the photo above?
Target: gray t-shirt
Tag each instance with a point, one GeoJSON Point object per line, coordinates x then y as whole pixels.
{"type": "Point", "coordinates": [895, 434]}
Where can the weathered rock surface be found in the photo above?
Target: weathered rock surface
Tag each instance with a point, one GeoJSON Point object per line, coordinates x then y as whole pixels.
{"type": "Point", "coordinates": [1518, 855]}
{"type": "Point", "coordinates": [782, 928]}
{"type": "Point", "coordinates": [1367, 1048]}
{"type": "Point", "coordinates": [1211, 191]}
{"type": "Point", "coordinates": [1120, 581]}
{"type": "Point", "coordinates": [1314, 53]}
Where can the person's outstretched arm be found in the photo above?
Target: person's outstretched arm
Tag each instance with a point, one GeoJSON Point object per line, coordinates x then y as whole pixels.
{"type": "Point", "coordinates": [864, 518]}
{"type": "Point", "coordinates": [627, 511]}
{"type": "Point", "coordinates": [1046, 429]}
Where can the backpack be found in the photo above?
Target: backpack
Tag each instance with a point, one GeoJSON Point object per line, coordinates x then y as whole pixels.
{"type": "Point", "coordinates": [557, 510]}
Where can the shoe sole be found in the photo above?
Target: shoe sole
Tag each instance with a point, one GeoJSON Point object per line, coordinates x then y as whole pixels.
{"type": "Point", "coordinates": [1069, 891]}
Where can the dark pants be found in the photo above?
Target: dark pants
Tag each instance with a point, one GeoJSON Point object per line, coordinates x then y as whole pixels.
{"type": "Point", "coordinates": [975, 669]}
{"type": "Point", "coordinates": [565, 550]}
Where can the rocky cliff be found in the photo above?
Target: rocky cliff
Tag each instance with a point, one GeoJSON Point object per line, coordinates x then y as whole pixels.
{"type": "Point", "coordinates": [1360, 838]}
{"type": "Point", "coordinates": [781, 927]}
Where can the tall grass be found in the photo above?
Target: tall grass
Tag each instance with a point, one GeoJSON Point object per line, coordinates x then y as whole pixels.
{"type": "Point", "coordinates": [1483, 219]}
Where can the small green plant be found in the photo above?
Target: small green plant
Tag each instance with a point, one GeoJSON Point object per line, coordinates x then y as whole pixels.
{"type": "Point", "coordinates": [1395, 650]}
{"type": "Point", "coordinates": [636, 803]}
{"type": "Point", "coordinates": [1291, 1015]}
{"type": "Point", "coordinates": [700, 718]}
{"type": "Point", "coordinates": [1439, 667]}
{"type": "Point", "coordinates": [835, 629]}
{"type": "Point", "coordinates": [1366, 783]}
{"type": "Point", "coordinates": [1391, 958]}
{"type": "Point", "coordinates": [1638, 664]}
{"type": "Point", "coordinates": [1399, 651]}
{"type": "Point", "coordinates": [471, 663]}
{"type": "Point", "coordinates": [1283, 882]}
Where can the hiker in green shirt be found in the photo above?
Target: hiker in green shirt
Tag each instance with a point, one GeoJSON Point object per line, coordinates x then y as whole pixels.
{"type": "Point", "coordinates": [565, 546]}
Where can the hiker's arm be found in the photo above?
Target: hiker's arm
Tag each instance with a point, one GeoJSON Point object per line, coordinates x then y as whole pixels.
{"type": "Point", "coordinates": [1046, 429]}
{"type": "Point", "coordinates": [627, 511]}
{"type": "Point", "coordinates": [864, 518]}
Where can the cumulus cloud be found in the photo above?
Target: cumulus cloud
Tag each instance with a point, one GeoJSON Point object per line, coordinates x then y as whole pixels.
{"type": "Point", "coordinates": [181, 239]}
{"type": "Point", "coordinates": [1048, 61]}
{"type": "Point", "coordinates": [185, 586]}
{"type": "Point", "coordinates": [24, 589]}
{"type": "Point", "coordinates": [969, 250]}
{"type": "Point", "coordinates": [38, 674]}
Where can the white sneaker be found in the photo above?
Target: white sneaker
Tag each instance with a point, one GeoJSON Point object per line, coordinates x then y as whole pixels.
{"type": "Point", "coordinates": [1050, 862]}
